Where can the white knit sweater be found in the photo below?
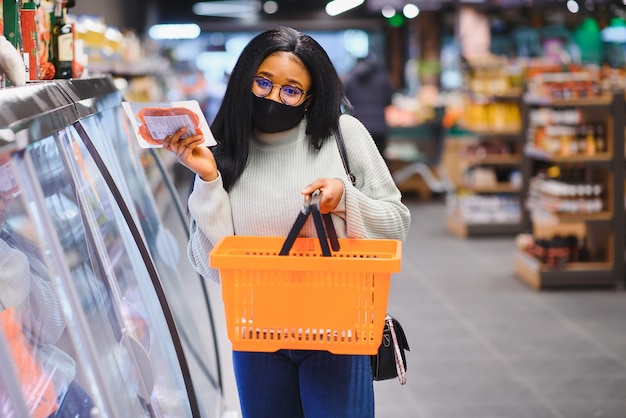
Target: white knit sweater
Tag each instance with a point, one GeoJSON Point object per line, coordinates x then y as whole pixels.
{"type": "Point", "coordinates": [266, 199]}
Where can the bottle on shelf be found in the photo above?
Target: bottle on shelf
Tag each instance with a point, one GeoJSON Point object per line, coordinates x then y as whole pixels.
{"type": "Point", "coordinates": [583, 250]}
{"type": "Point", "coordinates": [62, 42]}
{"type": "Point", "coordinates": [600, 138]}
{"type": "Point", "coordinates": [557, 255]}
{"type": "Point", "coordinates": [572, 248]}
{"type": "Point", "coordinates": [590, 143]}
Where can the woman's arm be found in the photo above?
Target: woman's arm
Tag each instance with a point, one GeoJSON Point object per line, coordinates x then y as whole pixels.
{"type": "Point", "coordinates": [208, 204]}
{"type": "Point", "coordinates": [374, 208]}
{"type": "Point", "coordinates": [211, 220]}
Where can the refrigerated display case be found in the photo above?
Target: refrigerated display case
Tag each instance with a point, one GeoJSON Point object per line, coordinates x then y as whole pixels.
{"type": "Point", "coordinates": [141, 174]}
{"type": "Point", "coordinates": [81, 219]}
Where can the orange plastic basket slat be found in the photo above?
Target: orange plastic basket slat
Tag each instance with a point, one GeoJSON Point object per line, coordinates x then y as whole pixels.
{"type": "Point", "coordinates": [305, 300]}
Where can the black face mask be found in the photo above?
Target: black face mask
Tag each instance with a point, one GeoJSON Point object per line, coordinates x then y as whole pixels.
{"type": "Point", "coordinates": [269, 116]}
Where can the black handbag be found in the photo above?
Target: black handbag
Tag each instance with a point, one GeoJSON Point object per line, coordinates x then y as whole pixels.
{"type": "Point", "coordinates": [390, 361]}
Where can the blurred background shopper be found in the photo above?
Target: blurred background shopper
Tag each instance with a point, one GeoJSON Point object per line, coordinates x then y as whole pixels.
{"type": "Point", "coordinates": [368, 88]}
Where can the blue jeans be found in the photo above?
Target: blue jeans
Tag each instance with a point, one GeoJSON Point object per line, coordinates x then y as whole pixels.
{"type": "Point", "coordinates": [302, 383]}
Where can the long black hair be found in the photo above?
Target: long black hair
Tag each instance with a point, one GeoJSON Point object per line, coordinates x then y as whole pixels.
{"type": "Point", "coordinates": [233, 126]}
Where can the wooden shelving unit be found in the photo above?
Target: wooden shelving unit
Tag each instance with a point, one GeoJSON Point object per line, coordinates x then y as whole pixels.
{"type": "Point", "coordinates": [539, 276]}
{"type": "Point", "coordinates": [605, 227]}
{"type": "Point", "coordinates": [483, 165]}
{"type": "Point", "coordinates": [458, 221]}
{"type": "Point", "coordinates": [459, 227]}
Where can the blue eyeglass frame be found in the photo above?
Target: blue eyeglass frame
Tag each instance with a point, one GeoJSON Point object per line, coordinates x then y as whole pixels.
{"type": "Point", "coordinates": [280, 90]}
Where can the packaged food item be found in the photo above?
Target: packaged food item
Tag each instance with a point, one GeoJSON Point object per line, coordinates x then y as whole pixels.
{"type": "Point", "coordinates": [44, 28]}
{"type": "Point", "coordinates": [153, 122]}
{"type": "Point", "coordinates": [30, 44]}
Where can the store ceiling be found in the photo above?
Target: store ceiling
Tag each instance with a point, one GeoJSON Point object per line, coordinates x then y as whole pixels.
{"type": "Point", "coordinates": [172, 10]}
{"type": "Point", "coordinates": [298, 13]}
{"type": "Point", "coordinates": [312, 11]}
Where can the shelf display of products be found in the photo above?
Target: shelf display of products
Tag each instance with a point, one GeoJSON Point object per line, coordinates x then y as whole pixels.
{"type": "Point", "coordinates": [51, 44]}
{"type": "Point", "coordinates": [484, 164]}
{"type": "Point", "coordinates": [487, 196]}
{"type": "Point", "coordinates": [485, 170]}
{"type": "Point", "coordinates": [557, 251]}
{"type": "Point", "coordinates": [562, 133]}
{"type": "Point", "coordinates": [492, 209]}
{"type": "Point", "coordinates": [113, 333]}
{"type": "Point", "coordinates": [492, 96]}
{"type": "Point", "coordinates": [565, 86]}
{"type": "Point", "coordinates": [573, 175]}
{"type": "Point", "coordinates": [29, 26]}
{"type": "Point", "coordinates": [561, 197]}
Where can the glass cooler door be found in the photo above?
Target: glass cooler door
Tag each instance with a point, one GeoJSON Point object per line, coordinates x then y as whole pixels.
{"type": "Point", "coordinates": [12, 404]}
{"type": "Point", "coordinates": [82, 309]}
{"type": "Point", "coordinates": [164, 228]}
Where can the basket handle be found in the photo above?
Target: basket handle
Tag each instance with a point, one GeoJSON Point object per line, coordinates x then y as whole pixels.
{"type": "Point", "coordinates": [323, 226]}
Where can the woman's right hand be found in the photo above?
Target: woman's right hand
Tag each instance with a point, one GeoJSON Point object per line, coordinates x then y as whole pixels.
{"type": "Point", "coordinates": [191, 154]}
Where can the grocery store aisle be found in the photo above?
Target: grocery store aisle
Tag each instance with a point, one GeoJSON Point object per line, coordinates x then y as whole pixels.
{"type": "Point", "coordinates": [484, 345]}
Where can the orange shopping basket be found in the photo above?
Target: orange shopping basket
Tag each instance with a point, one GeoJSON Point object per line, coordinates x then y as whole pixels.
{"type": "Point", "coordinates": [304, 299]}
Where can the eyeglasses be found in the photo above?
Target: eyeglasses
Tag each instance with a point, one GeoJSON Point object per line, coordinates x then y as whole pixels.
{"type": "Point", "coordinates": [289, 95]}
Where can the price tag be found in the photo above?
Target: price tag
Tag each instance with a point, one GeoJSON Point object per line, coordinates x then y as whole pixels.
{"type": "Point", "coordinates": [162, 126]}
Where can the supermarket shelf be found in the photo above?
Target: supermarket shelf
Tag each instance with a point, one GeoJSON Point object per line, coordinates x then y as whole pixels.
{"type": "Point", "coordinates": [459, 227]}
{"type": "Point", "coordinates": [492, 160]}
{"type": "Point", "coordinates": [608, 166]}
{"type": "Point", "coordinates": [497, 188]}
{"type": "Point", "coordinates": [604, 216]}
{"type": "Point", "coordinates": [491, 133]}
{"type": "Point", "coordinates": [531, 151]}
{"type": "Point", "coordinates": [513, 93]}
{"type": "Point", "coordinates": [539, 276]}
{"type": "Point", "coordinates": [605, 100]}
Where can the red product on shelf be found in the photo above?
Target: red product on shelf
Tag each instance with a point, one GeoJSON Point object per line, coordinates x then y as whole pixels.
{"type": "Point", "coordinates": [46, 68]}
{"type": "Point", "coordinates": [1, 18]}
{"type": "Point", "coordinates": [30, 44]}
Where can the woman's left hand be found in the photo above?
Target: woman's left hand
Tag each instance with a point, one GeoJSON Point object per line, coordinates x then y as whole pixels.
{"type": "Point", "coordinates": [332, 191]}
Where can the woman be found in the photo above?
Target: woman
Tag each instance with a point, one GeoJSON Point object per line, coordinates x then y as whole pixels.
{"type": "Point", "coordinates": [275, 132]}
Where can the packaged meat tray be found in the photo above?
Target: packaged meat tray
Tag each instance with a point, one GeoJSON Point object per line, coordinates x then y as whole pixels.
{"type": "Point", "coordinates": [153, 122]}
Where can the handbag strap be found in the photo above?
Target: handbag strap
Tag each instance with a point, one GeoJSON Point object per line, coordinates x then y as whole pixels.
{"type": "Point", "coordinates": [344, 155]}
{"type": "Point", "coordinates": [396, 351]}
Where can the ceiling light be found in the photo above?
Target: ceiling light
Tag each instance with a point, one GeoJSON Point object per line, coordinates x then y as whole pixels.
{"type": "Point", "coordinates": [388, 11]}
{"type": "Point", "coordinates": [410, 11]}
{"type": "Point", "coordinates": [227, 8]}
{"type": "Point", "coordinates": [336, 7]}
{"type": "Point", "coordinates": [270, 7]}
{"type": "Point", "coordinates": [572, 6]}
{"type": "Point", "coordinates": [177, 31]}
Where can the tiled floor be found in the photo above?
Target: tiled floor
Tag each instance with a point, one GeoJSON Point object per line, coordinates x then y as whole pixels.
{"type": "Point", "coordinates": [484, 345]}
